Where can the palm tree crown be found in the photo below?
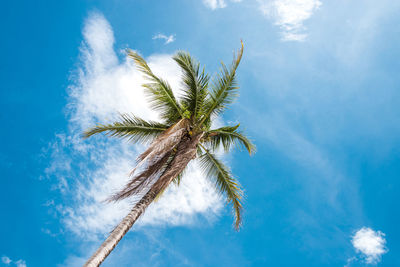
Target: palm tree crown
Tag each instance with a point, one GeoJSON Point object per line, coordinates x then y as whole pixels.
{"type": "Point", "coordinates": [183, 134]}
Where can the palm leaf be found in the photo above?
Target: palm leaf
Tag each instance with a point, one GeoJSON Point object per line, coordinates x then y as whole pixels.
{"type": "Point", "coordinates": [157, 160]}
{"type": "Point", "coordinates": [195, 83]}
{"type": "Point", "coordinates": [141, 182]}
{"type": "Point", "coordinates": [224, 89]}
{"type": "Point", "coordinates": [228, 136]}
{"type": "Point", "coordinates": [158, 91]}
{"type": "Point", "coordinates": [169, 139]}
{"type": "Point", "coordinates": [131, 127]}
{"type": "Point", "coordinates": [177, 180]}
{"type": "Point", "coordinates": [224, 182]}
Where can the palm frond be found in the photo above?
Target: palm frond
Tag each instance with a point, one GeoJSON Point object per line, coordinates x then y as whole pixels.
{"type": "Point", "coordinates": [195, 83]}
{"type": "Point", "coordinates": [166, 141]}
{"type": "Point", "coordinates": [131, 127]}
{"type": "Point", "coordinates": [227, 137]}
{"type": "Point", "coordinates": [185, 152]}
{"type": "Point", "coordinates": [158, 91]}
{"type": "Point", "coordinates": [176, 180]}
{"type": "Point", "coordinates": [157, 159]}
{"type": "Point", "coordinates": [140, 182]}
{"type": "Point", "coordinates": [224, 182]}
{"type": "Point", "coordinates": [224, 89]}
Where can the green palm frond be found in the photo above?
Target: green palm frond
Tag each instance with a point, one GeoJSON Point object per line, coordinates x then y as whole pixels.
{"type": "Point", "coordinates": [227, 137]}
{"type": "Point", "coordinates": [159, 92]}
{"type": "Point", "coordinates": [224, 89]}
{"type": "Point", "coordinates": [131, 127]}
{"type": "Point", "coordinates": [224, 182]}
{"type": "Point", "coordinates": [195, 83]}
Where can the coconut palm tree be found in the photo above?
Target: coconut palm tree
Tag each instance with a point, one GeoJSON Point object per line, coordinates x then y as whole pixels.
{"type": "Point", "coordinates": [183, 134]}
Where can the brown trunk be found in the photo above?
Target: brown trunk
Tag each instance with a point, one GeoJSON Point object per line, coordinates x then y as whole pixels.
{"type": "Point", "coordinates": [123, 227]}
{"type": "Point", "coordinates": [186, 151]}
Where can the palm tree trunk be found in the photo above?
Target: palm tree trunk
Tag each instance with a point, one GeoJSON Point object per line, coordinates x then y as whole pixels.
{"type": "Point", "coordinates": [186, 151]}
{"type": "Point", "coordinates": [123, 227]}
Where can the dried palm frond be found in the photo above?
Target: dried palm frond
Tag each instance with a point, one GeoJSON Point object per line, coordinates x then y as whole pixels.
{"type": "Point", "coordinates": [164, 143]}
{"type": "Point", "coordinates": [141, 181]}
{"type": "Point", "coordinates": [166, 140]}
{"type": "Point", "coordinates": [186, 151]}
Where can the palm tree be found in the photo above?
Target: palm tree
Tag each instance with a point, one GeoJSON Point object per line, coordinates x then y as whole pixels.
{"type": "Point", "coordinates": [184, 134]}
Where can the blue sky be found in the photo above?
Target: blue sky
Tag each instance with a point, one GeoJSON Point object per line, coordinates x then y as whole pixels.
{"type": "Point", "coordinates": [319, 96]}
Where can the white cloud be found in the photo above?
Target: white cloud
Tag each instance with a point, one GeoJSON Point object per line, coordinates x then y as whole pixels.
{"type": "Point", "coordinates": [371, 244]}
{"type": "Point", "coordinates": [103, 87]}
{"type": "Point", "coordinates": [290, 15]}
{"type": "Point", "coordinates": [215, 4]}
{"type": "Point", "coordinates": [6, 260]}
{"type": "Point", "coordinates": [168, 39]}
{"type": "Point", "coordinates": [19, 263]}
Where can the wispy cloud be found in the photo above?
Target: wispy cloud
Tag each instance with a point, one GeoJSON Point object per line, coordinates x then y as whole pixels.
{"type": "Point", "coordinates": [104, 86]}
{"type": "Point", "coordinates": [291, 141]}
{"type": "Point", "coordinates": [168, 39]}
{"type": "Point", "coordinates": [5, 260]}
{"type": "Point", "coordinates": [325, 186]}
{"type": "Point", "coordinates": [150, 248]}
{"type": "Point", "coordinates": [370, 244]}
{"type": "Point", "coordinates": [290, 15]}
{"type": "Point", "coordinates": [215, 4]}
{"type": "Point", "coordinates": [19, 263]}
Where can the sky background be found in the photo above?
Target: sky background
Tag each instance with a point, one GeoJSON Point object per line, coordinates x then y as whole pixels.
{"type": "Point", "coordinates": [320, 95]}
